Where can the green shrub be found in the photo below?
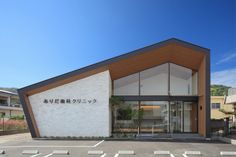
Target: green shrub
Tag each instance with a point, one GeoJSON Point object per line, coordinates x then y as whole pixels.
{"type": "Point", "coordinates": [19, 117]}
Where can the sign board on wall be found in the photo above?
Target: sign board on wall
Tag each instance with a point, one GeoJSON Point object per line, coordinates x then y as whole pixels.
{"type": "Point", "coordinates": [70, 101]}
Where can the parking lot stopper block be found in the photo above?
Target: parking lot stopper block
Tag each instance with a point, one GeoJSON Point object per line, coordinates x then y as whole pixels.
{"type": "Point", "coordinates": [27, 152]}
{"type": "Point", "coordinates": [228, 153]}
{"type": "Point", "coordinates": [192, 153]}
{"type": "Point", "coordinates": [161, 152]}
{"type": "Point", "coordinates": [126, 152]}
{"type": "Point", "coordinates": [60, 152]}
{"type": "Point", "coordinates": [95, 152]}
{"type": "Point", "coordinates": [2, 152]}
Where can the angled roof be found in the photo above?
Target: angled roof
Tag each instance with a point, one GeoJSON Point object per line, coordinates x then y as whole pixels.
{"type": "Point", "coordinates": [8, 92]}
{"type": "Point", "coordinates": [110, 63]}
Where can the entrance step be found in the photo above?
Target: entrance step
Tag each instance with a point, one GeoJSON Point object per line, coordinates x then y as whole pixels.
{"type": "Point", "coordinates": [181, 136]}
{"type": "Point", "coordinates": [155, 136]}
{"type": "Point", "coordinates": [187, 136]}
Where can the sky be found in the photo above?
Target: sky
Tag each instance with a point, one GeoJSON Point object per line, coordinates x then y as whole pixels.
{"type": "Point", "coordinates": [41, 39]}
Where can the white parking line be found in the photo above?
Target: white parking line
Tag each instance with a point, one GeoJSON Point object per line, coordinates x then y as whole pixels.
{"type": "Point", "coordinates": [98, 143]}
{"type": "Point", "coordinates": [104, 155]}
{"type": "Point", "coordinates": [116, 155]}
{"type": "Point", "coordinates": [36, 155]}
{"type": "Point", "coordinates": [55, 146]}
{"type": "Point", "coordinates": [48, 155]}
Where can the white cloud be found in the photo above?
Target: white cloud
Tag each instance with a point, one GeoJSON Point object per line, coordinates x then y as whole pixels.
{"type": "Point", "coordinates": [225, 77]}
{"type": "Point", "coordinates": [227, 58]}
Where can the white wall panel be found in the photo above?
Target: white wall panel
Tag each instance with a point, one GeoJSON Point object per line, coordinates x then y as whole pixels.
{"type": "Point", "coordinates": [79, 119]}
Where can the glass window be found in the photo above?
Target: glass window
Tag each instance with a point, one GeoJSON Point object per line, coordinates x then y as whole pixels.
{"type": "Point", "coordinates": [124, 113]}
{"type": "Point", "coordinates": [183, 81]}
{"type": "Point", "coordinates": [128, 85]}
{"type": "Point", "coordinates": [215, 105]}
{"type": "Point", "coordinates": [3, 102]}
{"type": "Point", "coordinates": [154, 81]}
{"type": "Point", "coordinates": [195, 83]}
{"type": "Point", "coordinates": [126, 117]}
{"type": "Point", "coordinates": [154, 116]}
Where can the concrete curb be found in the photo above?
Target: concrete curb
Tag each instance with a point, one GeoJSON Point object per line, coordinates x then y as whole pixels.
{"type": "Point", "coordinates": [227, 140]}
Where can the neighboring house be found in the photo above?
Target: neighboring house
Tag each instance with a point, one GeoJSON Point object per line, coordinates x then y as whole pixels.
{"type": "Point", "coordinates": [220, 110]}
{"type": "Point", "coordinates": [9, 104]}
{"type": "Point", "coordinates": [231, 99]}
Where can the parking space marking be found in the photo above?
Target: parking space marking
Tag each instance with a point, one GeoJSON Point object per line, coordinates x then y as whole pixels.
{"type": "Point", "coordinates": [48, 155]}
{"type": "Point", "coordinates": [124, 152]}
{"type": "Point", "coordinates": [55, 146]}
{"type": "Point", "coordinates": [98, 143]}
{"type": "Point", "coordinates": [36, 155]}
{"type": "Point", "coordinates": [116, 155]}
{"type": "Point", "coordinates": [104, 155]}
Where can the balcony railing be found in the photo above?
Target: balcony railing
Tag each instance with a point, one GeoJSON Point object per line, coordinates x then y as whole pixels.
{"type": "Point", "coordinates": [2, 104]}
{"type": "Point", "coordinates": [11, 105]}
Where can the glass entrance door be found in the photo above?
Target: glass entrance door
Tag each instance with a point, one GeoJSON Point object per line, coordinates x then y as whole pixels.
{"type": "Point", "coordinates": [176, 116]}
{"type": "Point", "coordinates": [190, 117]}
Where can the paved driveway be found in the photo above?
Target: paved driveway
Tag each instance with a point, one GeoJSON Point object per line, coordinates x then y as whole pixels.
{"type": "Point", "coordinates": [80, 148]}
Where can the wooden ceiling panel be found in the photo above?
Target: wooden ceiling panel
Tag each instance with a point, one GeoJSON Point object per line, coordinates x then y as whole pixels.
{"type": "Point", "coordinates": [180, 55]}
{"type": "Point", "coordinates": [172, 50]}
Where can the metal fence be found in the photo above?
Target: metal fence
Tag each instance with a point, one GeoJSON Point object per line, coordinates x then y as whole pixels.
{"type": "Point", "coordinates": [223, 127]}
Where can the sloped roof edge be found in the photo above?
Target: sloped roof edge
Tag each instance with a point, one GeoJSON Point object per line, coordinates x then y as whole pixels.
{"type": "Point", "coordinates": [111, 60]}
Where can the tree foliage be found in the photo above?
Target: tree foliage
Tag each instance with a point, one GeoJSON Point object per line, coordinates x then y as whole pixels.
{"type": "Point", "coordinates": [219, 90]}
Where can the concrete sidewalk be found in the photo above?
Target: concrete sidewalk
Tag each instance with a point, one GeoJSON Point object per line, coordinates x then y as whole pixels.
{"type": "Point", "coordinates": [15, 137]}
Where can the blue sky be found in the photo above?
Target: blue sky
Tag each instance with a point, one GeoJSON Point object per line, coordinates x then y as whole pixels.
{"type": "Point", "coordinates": [42, 39]}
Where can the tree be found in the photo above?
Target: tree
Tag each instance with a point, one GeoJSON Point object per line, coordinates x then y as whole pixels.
{"type": "Point", "coordinates": [219, 90]}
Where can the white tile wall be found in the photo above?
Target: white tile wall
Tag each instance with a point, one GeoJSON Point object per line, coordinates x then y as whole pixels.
{"type": "Point", "coordinates": [78, 120]}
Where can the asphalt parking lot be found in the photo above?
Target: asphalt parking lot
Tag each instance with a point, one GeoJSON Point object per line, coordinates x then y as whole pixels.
{"type": "Point", "coordinates": [100, 148]}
